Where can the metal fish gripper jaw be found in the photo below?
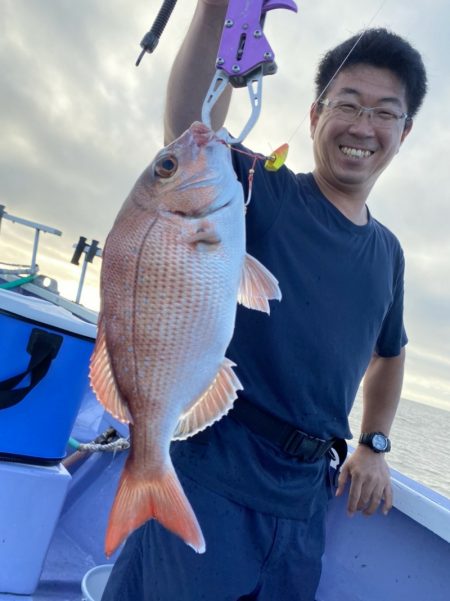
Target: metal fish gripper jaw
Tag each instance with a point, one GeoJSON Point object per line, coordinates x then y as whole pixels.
{"type": "Point", "coordinates": [244, 57]}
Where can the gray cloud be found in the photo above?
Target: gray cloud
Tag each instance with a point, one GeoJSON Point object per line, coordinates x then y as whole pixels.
{"type": "Point", "coordinates": [79, 122]}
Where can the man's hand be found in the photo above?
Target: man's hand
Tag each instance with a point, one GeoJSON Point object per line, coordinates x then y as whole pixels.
{"type": "Point", "coordinates": [370, 482]}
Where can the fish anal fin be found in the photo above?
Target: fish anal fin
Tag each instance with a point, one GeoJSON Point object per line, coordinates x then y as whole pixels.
{"type": "Point", "coordinates": [162, 498]}
{"type": "Point", "coordinates": [103, 381]}
{"type": "Point", "coordinates": [212, 405]}
{"type": "Point", "coordinates": [257, 286]}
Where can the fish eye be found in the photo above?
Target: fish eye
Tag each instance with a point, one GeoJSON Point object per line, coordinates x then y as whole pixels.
{"type": "Point", "coordinates": [166, 166]}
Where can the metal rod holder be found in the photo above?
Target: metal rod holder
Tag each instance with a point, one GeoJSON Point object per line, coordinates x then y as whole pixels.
{"type": "Point", "coordinates": [89, 251]}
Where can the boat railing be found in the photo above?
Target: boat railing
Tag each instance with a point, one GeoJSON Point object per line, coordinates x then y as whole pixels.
{"type": "Point", "coordinates": [28, 279]}
{"type": "Point", "coordinates": [38, 228]}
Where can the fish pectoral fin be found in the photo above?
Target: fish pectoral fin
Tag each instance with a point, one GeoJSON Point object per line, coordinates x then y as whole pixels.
{"type": "Point", "coordinates": [257, 286]}
{"type": "Point", "coordinates": [162, 498]}
{"type": "Point", "coordinates": [212, 405]}
{"type": "Point", "coordinates": [103, 381]}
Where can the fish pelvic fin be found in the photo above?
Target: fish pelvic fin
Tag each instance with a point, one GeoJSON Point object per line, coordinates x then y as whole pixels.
{"type": "Point", "coordinates": [257, 286]}
{"type": "Point", "coordinates": [162, 498]}
{"type": "Point", "coordinates": [102, 379]}
{"type": "Point", "coordinates": [212, 405]}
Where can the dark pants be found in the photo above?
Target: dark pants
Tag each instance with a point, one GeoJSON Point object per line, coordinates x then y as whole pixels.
{"type": "Point", "coordinates": [249, 556]}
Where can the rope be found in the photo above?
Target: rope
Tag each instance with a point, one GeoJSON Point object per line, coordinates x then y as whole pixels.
{"type": "Point", "coordinates": [121, 444]}
{"type": "Point", "coordinates": [101, 444]}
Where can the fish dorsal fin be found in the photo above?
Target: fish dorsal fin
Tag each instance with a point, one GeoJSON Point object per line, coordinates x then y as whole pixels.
{"type": "Point", "coordinates": [212, 405]}
{"type": "Point", "coordinates": [257, 286]}
{"type": "Point", "coordinates": [103, 381]}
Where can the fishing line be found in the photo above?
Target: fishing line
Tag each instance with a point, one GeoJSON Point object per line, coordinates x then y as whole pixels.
{"type": "Point", "coordinates": [365, 29]}
{"type": "Point", "coordinates": [251, 172]}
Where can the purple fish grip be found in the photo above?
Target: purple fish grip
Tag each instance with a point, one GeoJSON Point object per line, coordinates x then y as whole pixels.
{"type": "Point", "coordinates": [243, 46]}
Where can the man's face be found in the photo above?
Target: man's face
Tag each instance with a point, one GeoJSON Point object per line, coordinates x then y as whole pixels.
{"type": "Point", "coordinates": [336, 140]}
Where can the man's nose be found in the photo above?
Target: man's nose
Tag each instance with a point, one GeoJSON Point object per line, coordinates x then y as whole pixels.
{"type": "Point", "coordinates": [363, 124]}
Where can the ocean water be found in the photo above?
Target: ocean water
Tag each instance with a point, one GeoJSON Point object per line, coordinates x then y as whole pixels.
{"type": "Point", "coordinates": [420, 443]}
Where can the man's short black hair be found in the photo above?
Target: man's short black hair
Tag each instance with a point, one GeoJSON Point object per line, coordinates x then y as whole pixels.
{"type": "Point", "coordinates": [378, 48]}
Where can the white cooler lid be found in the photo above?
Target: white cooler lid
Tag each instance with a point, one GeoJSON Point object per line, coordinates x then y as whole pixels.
{"type": "Point", "coordinates": [46, 313]}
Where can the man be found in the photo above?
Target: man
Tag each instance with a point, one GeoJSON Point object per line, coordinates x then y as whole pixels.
{"type": "Point", "coordinates": [260, 490]}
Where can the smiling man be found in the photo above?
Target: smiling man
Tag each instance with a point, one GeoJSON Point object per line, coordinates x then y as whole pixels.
{"type": "Point", "coordinates": [357, 130]}
{"type": "Point", "coordinates": [258, 479]}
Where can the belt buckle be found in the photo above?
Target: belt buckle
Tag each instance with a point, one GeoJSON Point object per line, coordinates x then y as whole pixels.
{"type": "Point", "coordinates": [299, 441]}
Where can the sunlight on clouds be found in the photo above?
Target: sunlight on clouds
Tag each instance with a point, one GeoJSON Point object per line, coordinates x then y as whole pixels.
{"type": "Point", "coordinates": [59, 101]}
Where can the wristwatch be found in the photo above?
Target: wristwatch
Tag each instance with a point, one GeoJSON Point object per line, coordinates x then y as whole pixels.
{"type": "Point", "coordinates": [377, 441]}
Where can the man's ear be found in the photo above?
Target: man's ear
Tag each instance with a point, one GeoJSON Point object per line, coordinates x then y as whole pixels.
{"type": "Point", "coordinates": [406, 129]}
{"type": "Point", "coordinates": [313, 119]}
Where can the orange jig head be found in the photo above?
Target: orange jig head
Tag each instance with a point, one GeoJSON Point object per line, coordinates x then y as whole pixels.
{"type": "Point", "coordinates": [277, 158]}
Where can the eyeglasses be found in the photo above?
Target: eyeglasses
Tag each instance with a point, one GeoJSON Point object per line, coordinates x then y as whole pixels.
{"type": "Point", "coordinates": [351, 111]}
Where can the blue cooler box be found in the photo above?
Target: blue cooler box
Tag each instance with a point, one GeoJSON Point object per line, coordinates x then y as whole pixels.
{"type": "Point", "coordinates": [44, 364]}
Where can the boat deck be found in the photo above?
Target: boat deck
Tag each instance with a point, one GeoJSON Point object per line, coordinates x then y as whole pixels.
{"type": "Point", "coordinates": [395, 557]}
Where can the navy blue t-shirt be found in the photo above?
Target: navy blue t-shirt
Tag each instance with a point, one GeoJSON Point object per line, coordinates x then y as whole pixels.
{"type": "Point", "coordinates": [342, 287]}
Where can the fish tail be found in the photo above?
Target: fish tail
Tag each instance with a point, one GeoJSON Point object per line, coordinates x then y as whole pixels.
{"type": "Point", "coordinates": [163, 499]}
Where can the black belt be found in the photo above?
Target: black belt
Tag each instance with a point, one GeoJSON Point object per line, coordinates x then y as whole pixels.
{"type": "Point", "coordinates": [292, 441]}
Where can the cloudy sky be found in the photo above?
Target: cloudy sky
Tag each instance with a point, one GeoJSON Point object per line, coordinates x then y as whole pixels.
{"type": "Point", "coordinates": [79, 122]}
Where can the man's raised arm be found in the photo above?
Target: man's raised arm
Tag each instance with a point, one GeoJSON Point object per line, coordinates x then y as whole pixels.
{"type": "Point", "coordinates": [193, 70]}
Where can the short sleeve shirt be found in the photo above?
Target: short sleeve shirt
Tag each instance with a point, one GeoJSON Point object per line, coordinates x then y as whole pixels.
{"type": "Point", "coordinates": [342, 287]}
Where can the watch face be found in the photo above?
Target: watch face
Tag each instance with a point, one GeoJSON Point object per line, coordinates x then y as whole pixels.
{"type": "Point", "coordinates": [379, 442]}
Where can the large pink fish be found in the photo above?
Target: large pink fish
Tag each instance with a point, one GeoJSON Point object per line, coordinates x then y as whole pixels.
{"type": "Point", "coordinates": [174, 266]}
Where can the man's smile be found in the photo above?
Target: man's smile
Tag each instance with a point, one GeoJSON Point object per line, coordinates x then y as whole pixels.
{"type": "Point", "coordinates": [357, 153]}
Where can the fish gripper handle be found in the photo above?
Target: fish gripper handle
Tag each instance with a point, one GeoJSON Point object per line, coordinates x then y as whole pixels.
{"type": "Point", "coordinates": [151, 38]}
